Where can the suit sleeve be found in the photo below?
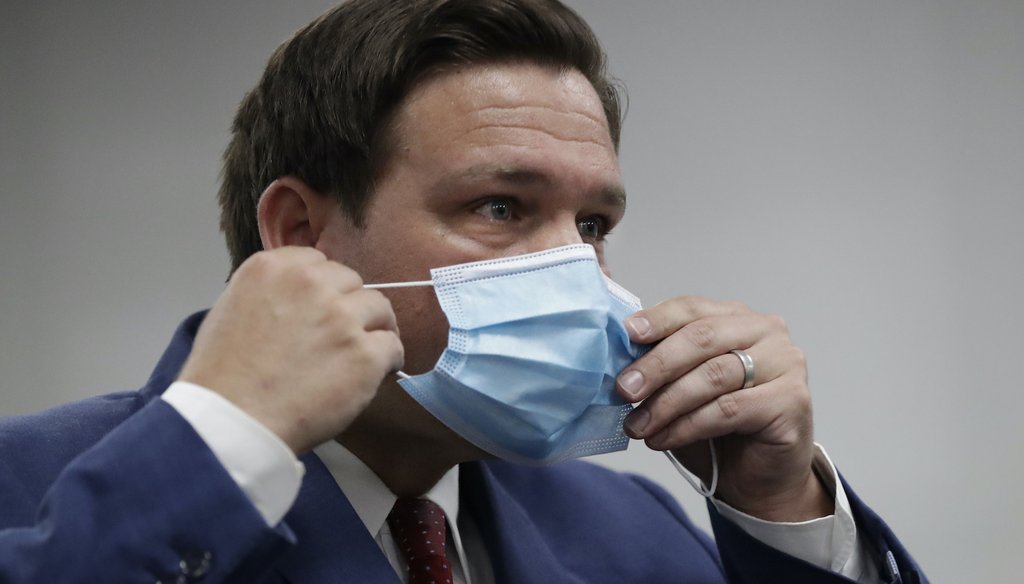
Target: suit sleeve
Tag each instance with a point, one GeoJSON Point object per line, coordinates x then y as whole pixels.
{"type": "Point", "coordinates": [147, 503]}
{"type": "Point", "coordinates": [748, 560]}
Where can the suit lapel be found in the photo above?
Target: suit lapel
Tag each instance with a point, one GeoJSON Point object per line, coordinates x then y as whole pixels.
{"type": "Point", "coordinates": [333, 544]}
{"type": "Point", "coordinates": [518, 551]}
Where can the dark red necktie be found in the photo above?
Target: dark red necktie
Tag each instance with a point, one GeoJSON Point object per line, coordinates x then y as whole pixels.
{"type": "Point", "coordinates": [418, 526]}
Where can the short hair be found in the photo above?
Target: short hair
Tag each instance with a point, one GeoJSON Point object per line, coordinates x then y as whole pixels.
{"type": "Point", "coordinates": [324, 104]}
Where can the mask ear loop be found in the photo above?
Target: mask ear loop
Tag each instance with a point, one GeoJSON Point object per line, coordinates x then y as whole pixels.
{"type": "Point", "coordinates": [401, 374]}
{"type": "Point", "coordinates": [696, 483]}
{"type": "Point", "coordinates": [399, 284]}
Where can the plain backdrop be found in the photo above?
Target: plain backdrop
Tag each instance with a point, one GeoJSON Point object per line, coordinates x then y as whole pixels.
{"type": "Point", "coordinates": [857, 167]}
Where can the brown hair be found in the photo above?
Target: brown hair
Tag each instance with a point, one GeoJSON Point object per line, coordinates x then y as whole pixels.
{"type": "Point", "coordinates": [320, 111]}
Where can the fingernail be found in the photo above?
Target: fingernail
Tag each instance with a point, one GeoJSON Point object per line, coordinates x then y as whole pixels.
{"type": "Point", "coordinates": [636, 422]}
{"type": "Point", "coordinates": [631, 382]}
{"type": "Point", "coordinates": [639, 325]}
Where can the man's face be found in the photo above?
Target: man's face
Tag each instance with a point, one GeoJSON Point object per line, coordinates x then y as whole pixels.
{"type": "Point", "coordinates": [487, 161]}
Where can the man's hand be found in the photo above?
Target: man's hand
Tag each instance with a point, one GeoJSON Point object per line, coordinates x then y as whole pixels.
{"type": "Point", "coordinates": [296, 342]}
{"type": "Point", "coordinates": [692, 387]}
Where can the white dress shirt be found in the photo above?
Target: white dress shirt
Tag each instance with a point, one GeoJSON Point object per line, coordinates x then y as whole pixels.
{"type": "Point", "coordinates": [372, 502]}
{"type": "Point", "coordinates": [270, 475]}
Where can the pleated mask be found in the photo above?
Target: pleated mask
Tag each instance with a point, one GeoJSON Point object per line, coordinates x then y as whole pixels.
{"type": "Point", "coordinates": [535, 344]}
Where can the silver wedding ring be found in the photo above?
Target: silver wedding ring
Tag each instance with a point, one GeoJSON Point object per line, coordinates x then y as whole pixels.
{"type": "Point", "coordinates": [748, 367]}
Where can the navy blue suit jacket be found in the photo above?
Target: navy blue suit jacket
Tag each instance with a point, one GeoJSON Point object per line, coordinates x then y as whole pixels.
{"type": "Point", "coordinates": [119, 488]}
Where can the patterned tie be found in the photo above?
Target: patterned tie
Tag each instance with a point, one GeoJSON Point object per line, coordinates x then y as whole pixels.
{"type": "Point", "coordinates": [418, 526]}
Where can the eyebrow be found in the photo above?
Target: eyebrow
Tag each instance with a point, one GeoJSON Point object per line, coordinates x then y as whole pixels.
{"type": "Point", "coordinates": [613, 195]}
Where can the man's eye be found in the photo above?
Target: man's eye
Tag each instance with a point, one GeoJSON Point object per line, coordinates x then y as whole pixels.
{"type": "Point", "coordinates": [496, 209]}
{"type": "Point", "coordinates": [592, 228]}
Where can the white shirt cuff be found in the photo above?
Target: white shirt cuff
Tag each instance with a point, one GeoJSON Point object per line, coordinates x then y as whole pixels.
{"type": "Point", "coordinates": [260, 463]}
{"type": "Point", "coordinates": [828, 542]}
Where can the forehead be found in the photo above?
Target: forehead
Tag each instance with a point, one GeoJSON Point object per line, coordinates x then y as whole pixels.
{"type": "Point", "coordinates": [518, 104]}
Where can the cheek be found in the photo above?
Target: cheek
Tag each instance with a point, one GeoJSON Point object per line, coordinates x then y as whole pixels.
{"type": "Point", "coordinates": [423, 327]}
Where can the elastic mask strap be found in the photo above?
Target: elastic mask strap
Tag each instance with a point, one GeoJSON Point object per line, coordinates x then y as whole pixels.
{"type": "Point", "coordinates": [401, 374]}
{"type": "Point", "coordinates": [696, 483]}
{"type": "Point", "coordinates": [399, 284]}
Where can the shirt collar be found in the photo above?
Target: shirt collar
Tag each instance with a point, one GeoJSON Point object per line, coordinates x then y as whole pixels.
{"type": "Point", "coordinates": [370, 497]}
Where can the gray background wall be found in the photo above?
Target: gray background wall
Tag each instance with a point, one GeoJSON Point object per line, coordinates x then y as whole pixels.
{"type": "Point", "coordinates": [857, 167]}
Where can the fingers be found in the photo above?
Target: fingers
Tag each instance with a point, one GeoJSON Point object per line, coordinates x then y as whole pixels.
{"type": "Point", "coordinates": [308, 271]}
{"type": "Point", "coordinates": [697, 342]}
{"type": "Point", "coordinates": [691, 389]}
{"type": "Point", "coordinates": [388, 345]}
{"type": "Point", "coordinates": [705, 383]}
{"type": "Point", "coordinates": [342, 278]}
{"type": "Point", "coordinates": [690, 373]}
{"type": "Point", "coordinates": [283, 256]}
{"type": "Point", "coordinates": [748, 411]}
{"type": "Point", "coordinates": [298, 343]}
{"type": "Point", "coordinates": [654, 324]}
{"type": "Point", "coordinates": [373, 309]}
{"type": "Point", "coordinates": [295, 269]}
{"type": "Point", "coordinates": [326, 274]}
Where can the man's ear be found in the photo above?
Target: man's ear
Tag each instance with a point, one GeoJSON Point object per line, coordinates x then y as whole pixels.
{"type": "Point", "coordinates": [290, 212]}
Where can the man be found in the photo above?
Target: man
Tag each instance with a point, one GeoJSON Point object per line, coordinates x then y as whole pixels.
{"type": "Point", "coordinates": [385, 140]}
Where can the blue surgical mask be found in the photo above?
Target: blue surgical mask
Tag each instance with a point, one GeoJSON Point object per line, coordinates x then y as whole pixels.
{"type": "Point", "coordinates": [535, 345]}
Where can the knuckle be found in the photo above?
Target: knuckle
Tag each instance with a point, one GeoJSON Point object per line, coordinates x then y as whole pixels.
{"type": "Point", "coordinates": [803, 397]}
{"type": "Point", "coordinates": [351, 277]}
{"type": "Point", "coordinates": [380, 301]}
{"type": "Point", "coordinates": [685, 430]}
{"type": "Point", "coordinates": [701, 334]}
{"type": "Point", "coordinates": [342, 321]}
{"type": "Point", "coordinates": [683, 307]}
{"type": "Point", "coordinates": [714, 373]}
{"type": "Point", "coordinates": [778, 323]}
{"type": "Point", "coordinates": [663, 407]}
{"type": "Point", "coordinates": [364, 352]}
{"type": "Point", "coordinates": [313, 253]}
{"type": "Point", "coordinates": [659, 367]}
{"type": "Point", "coordinates": [797, 396]}
{"type": "Point", "coordinates": [340, 311]}
{"type": "Point", "coordinates": [729, 405]}
{"type": "Point", "coordinates": [695, 302]}
{"type": "Point", "coordinates": [382, 349]}
{"type": "Point", "coordinates": [256, 265]}
{"type": "Point", "coordinates": [304, 276]}
{"type": "Point", "coordinates": [691, 305]}
{"type": "Point", "coordinates": [798, 357]}
{"type": "Point", "coordinates": [736, 307]}
{"type": "Point", "coordinates": [398, 349]}
{"type": "Point", "coordinates": [793, 434]}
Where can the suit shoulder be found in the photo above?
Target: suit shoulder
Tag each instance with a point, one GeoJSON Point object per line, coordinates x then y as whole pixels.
{"type": "Point", "coordinates": [82, 421]}
{"type": "Point", "coordinates": [35, 447]}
